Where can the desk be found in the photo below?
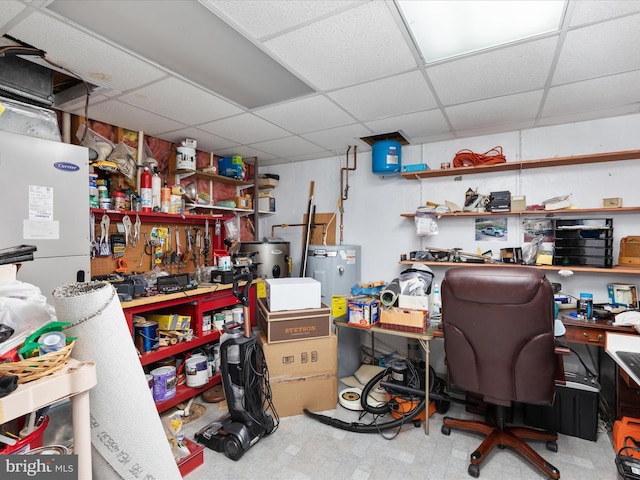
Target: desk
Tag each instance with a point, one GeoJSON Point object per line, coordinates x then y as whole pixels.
{"type": "Point", "coordinates": [423, 338]}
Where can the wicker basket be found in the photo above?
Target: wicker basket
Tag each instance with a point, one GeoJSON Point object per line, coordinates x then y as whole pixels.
{"type": "Point", "coordinates": [37, 367]}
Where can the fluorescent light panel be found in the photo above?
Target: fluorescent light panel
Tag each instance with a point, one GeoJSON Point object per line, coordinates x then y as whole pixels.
{"type": "Point", "coordinates": [190, 40]}
{"type": "Point", "coordinates": [445, 29]}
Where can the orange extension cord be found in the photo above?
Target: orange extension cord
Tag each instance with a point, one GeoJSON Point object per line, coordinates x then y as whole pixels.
{"type": "Point", "coordinates": [467, 158]}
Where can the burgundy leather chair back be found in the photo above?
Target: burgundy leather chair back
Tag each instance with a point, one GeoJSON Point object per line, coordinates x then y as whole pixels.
{"type": "Point", "coordinates": [498, 333]}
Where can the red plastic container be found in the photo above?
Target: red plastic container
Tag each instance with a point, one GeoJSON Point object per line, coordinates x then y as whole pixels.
{"type": "Point", "coordinates": [192, 461]}
{"type": "Point", "coordinates": [28, 443]}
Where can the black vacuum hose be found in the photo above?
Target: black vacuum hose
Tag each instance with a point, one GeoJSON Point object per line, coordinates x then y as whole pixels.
{"type": "Point", "coordinates": [362, 428]}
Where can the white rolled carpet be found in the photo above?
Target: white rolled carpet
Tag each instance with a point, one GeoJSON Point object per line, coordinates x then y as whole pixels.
{"type": "Point", "coordinates": [127, 435]}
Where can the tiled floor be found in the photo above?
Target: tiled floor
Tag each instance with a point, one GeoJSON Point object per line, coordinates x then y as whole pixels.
{"type": "Point", "coordinates": [303, 448]}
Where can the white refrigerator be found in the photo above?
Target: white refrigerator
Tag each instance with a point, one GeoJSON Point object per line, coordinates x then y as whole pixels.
{"type": "Point", "coordinates": [44, 201]}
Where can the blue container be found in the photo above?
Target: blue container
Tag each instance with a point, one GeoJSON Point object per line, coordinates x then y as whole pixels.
{"type": "Point", "coordinates": [386, 157]}
{"type": "Point", "coordinates": [232, 167]}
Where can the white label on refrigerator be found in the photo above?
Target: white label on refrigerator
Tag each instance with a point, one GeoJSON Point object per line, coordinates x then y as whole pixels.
{"type": "Point", "coordinates": [40, 229]}
{"type": "Point", "coordinates": [40, 203]}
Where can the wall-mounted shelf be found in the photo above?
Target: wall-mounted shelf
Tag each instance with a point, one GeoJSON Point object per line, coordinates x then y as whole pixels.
{"type": "Point", "coordinates": [151, 217]}
{"type": "Point", "coordinates": [213, 178]}
{"type": "Point", "coordinates": [618, 269]}
{"type": "Point", "coordinates": [526, 164]}
{"type": "Point", "coordinates": [546, 213]}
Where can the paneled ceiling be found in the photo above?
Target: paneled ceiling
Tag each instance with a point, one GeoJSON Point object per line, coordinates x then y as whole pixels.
{"type": "Point", "coordinates": [290, 80]}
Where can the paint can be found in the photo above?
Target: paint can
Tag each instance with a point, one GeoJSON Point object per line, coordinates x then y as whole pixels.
{"type": "Point", "coordinates": [185, 158]}
{"type": "Point", "coordinates": [224, 263]}
{"type": "Point", "coordinates": [238, 315]}
{"type": "Point", "coordinates": [146, 336]}
{"type": "Point", "coordinates": [164, 383]}
{"type": "Point", "coordinates": [149, 379]}
{"type": "Point", "coordinates": [197, 370]}
{"type": "Point", "coordinates": [219, 319]}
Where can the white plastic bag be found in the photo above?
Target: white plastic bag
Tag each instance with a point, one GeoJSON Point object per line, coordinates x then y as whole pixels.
{"type": "Point", "coordinates": [23, 308]}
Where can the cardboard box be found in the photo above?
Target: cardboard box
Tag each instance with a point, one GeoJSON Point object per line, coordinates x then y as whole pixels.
{"type": "Point", "coordinates": [363, 311]}
{"type": "Point", "coordinates": [413, 302]}
{"type": "Point", "coordinates": [267, 183]}
{"type": "Point", "coordinates": [171, 321]}
{"type": "Point", "coordinates": [518, 203]}
{"type": "Point", "coordinates": [302, 374]}
{"type": "Point", "coordinates": [405, 320]}
{"type": "Point", "coordinates": [293, 293]}
{"type": "Point", "coordinates": [293, 325]}
{"type": "Point", "coordinates": [267, 204]}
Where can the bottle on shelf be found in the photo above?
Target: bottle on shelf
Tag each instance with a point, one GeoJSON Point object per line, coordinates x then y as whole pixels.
{"type": "Point", "coordinates": [146, 190]}
{"type": "Point", "coordinates": [156, 185]}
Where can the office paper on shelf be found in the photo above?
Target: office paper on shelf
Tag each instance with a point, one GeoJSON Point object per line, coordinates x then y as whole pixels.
{"type": "Point", "coordinates": [127, 435]}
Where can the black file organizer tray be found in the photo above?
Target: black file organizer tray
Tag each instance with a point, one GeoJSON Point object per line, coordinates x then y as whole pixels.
{"type": "Point", "coordinates": [583, 242]}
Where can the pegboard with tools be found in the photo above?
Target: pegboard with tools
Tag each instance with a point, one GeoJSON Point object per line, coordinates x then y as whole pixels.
{"type": "Point", "coordinates": [134, 242]}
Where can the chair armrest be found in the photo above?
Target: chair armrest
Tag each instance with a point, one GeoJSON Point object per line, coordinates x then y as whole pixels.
{"type": "Point", "coordinates": [561, 348]}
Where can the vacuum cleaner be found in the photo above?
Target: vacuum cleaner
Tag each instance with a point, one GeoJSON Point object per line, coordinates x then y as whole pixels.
{"type": "Point", "coordinates": [245, 380]}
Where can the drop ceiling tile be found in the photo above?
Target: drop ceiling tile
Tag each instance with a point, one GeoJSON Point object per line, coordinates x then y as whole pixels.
{"type": "Point", "coordinates": [585, 54]}
{"type": "Point", "coordinates": [596, 94]}
{"type": "Point", "coordinates": [244, 129]}
{"type": "Point", "coordinates": [260, 18]}
{"type": "Point", "coordinates": [519, 108]}
{"type": "Point", "coordinates": [338, 139]}
{"type": "Point", "coordinates": [192, 106]}
{"type": "Point", "coordinates": [413, 125]}
{"type": "Point", "coordinates": [519, 68]}
{"type": "Point", "coordinates": [207, 142]}
{"type": "Point", "coordinates": [357, 45]}
{"type": "Point", "coordinates": [8, 11]}
{"type": "Point", "coordinates": [591, 115]}
{"type": "Point", "coordinates": [94, 60]}
{"type": "Point", "coordinates": [587, 12]}
{"type": "Point", "coordinates": [306, 115]}
{"type": "Point", "coordinates": [287, 147]}
{"type": "Point", "coordinates": [404, 93]}
{"type": "Point", "coordinates": [117, 113]}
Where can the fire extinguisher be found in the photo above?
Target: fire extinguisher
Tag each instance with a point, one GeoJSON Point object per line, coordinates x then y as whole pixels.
{"type": "Point", "coordinates": [146, 183]}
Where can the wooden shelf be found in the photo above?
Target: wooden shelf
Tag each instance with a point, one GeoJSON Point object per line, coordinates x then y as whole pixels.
{"type": "Point", "coordinates": [213, 177]}
{"type": "Point", "coordinates": [546, 213]}
{"type": "Point", "coordinates": [618, 269]}
{"type": "Point", "coordinates": [526, 164]}
{"type": "Point", "coordinates": [156, 217]}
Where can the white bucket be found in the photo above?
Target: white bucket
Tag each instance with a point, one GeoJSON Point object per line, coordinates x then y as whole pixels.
{"type": "Point", "coordinates": [185, 158]}
{"type": "Point", "coordinates": [197, 371]}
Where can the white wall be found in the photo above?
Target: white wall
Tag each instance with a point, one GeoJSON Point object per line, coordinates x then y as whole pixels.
{"type": "Point", "coordinates": [372, 212]}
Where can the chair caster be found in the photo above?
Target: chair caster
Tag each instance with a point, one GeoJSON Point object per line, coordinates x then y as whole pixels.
{"type": "Point", "coordinates": [417, 423]}
{"type": "Point", "coordinates": [445, 430]}
{"type": "Point", "coordinates": [474, 470]}
{"type": "Point", "coordinates": [552, 446]}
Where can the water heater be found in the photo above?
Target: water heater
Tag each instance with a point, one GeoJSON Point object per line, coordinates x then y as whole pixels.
{"type": "Point", "coordinates": [337, 268]}
{"type": "Point", "coordinates": [271, 258]}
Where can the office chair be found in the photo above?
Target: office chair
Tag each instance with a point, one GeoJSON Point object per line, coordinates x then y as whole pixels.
{"type": "Point", "coordinates": [499, 344]}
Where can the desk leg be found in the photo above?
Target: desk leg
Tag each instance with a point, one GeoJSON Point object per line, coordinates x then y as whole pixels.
{"type": "Point", "coordinates": [425, 347]}
{"type": "Point", "coordinates": [82, 433]}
